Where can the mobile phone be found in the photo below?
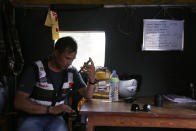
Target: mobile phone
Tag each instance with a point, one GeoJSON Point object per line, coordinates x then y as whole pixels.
{"type": "Point", "coordinates": [85, 63]}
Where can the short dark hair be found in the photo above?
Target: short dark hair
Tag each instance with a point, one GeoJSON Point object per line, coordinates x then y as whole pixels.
{"type": "Point", "coordinates": [66, 43]}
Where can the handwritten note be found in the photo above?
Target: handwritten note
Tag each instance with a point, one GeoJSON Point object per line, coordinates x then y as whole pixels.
{"type": "Point", "coordinates": [163, 35]}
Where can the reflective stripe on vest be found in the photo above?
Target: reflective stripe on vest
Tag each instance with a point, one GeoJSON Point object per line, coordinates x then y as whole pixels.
{"type": "Point", "coordinates": [70, 81]}
{"type": "Point", "coordinates": [46, 103]}
{"type": "Point", "coordinates": [47, 86]}
{"type": "Point", "coordinates": [41, 69]}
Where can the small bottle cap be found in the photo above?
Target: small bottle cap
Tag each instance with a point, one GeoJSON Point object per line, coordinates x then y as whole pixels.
{"type": "Point", "coordinates": [114, 71]}
{"type": "Point", "coordinates": [191, 84]}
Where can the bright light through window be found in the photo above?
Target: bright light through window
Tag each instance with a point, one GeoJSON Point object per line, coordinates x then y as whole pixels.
{"type": "Point", "coordinates": [90, 44]}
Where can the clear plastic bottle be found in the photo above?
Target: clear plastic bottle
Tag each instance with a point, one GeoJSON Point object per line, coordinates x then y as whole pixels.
{"type": "Point", "coordinates": [114, 83]}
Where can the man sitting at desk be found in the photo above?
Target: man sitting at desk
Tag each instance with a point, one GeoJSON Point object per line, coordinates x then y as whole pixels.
{"type": "Point", "coordinates": [45, 86]}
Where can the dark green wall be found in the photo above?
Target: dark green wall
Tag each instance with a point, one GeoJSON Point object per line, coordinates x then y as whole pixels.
{"type": "Point", "coordinates": [162, 72]}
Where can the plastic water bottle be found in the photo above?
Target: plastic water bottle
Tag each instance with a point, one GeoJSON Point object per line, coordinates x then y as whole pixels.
{"type": "Point", "coordinates": [114, 80]}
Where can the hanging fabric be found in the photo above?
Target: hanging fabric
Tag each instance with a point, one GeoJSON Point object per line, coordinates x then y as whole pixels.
{"type": "Point", "coordinates": [3, 93]}
{"type": "Point", "coordinates": [52, 21]}
{"type": "Point", "coordinates": [11, 43]}
{"type": "Point", "coordinates": [2, 44]}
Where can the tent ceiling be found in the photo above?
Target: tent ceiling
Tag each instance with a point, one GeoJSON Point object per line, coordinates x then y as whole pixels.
{"type": "Point", "coordinates": [106, 2]}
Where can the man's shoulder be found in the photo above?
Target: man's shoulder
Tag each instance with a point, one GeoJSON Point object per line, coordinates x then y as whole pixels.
{"type": "Point", "coordinates": [43, 60]}
{"type": "Point", "coordinates": [72, 68]}
{"type": "Point", "coordinates": [33, 66]}
{"type": "Point", "coordinates": [28, 71]}
{"type": "Point", "coordinates": [29, 66]}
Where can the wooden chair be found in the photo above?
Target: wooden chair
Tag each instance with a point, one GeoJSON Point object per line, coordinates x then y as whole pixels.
{"type": "Point", "coordinates": [6, 120]}
{"type": "Point", "coordinates": [73, 117]}
{"type": "Point", "coordinates": [3, 123]}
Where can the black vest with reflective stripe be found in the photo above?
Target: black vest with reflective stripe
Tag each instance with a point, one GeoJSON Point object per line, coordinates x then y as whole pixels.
{"type": "Point", "coordinates": [43, 91]}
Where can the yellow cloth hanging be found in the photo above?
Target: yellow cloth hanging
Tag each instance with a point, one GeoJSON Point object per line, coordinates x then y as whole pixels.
{"type": "Point", "coordinates": [52, 21]}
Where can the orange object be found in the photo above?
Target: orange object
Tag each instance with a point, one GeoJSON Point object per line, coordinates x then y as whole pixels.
{"type": "Point", "coordinates": [80, 103]}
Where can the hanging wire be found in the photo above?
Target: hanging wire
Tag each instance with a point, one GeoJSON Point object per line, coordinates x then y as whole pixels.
{"type": "Point", "coordinates": [128, 15]}
{"type": "Point", "coordinates": [165, 12]}
{"type": "Point", "coordinates": [157, 14]}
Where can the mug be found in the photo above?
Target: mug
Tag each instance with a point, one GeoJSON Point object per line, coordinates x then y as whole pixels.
{"type": "Point", "coordinates": [158, 100]}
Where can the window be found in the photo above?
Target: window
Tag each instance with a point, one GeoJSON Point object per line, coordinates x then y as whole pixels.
{"type": "Point", "coordinates": [90, 44]}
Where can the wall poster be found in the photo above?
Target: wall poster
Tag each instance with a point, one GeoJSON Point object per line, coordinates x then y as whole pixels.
{"type": "Point", "coordinates": [163, 35]}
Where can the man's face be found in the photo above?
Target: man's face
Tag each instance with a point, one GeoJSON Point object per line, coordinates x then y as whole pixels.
{"type": "Point", "coordinates": [65, 59]}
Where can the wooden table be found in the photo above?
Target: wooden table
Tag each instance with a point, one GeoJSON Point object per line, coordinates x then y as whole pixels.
{"type": "Point", "coordinates": [99, 112]}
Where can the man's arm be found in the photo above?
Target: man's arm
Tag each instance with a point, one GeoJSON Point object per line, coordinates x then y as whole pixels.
{"type": "Point", "coordinates": [23, 103]}
{"type": "Point", "coordinates": [89, 69]}
{"type": "Point", "coordinates": [87, 92]}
